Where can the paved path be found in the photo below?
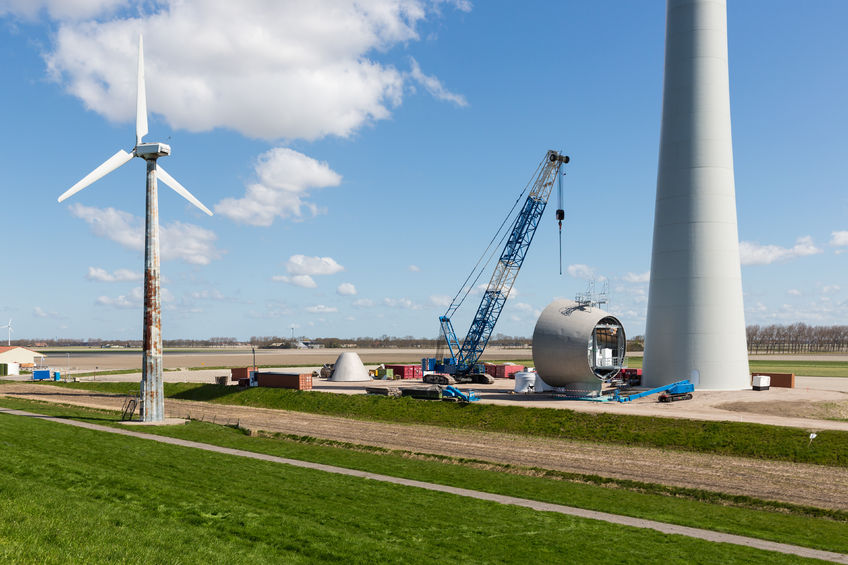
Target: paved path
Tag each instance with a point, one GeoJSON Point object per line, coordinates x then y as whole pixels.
{"type": "Point", "coordinates": [663, 527]}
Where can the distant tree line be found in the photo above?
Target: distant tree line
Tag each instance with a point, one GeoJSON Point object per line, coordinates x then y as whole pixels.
{"type": "Point", "coordinates": [636, 343]}
{"type": "Point", "coordinates": [406, 342]}
{"type": "Point", "coordinates": [105, 343]}
{"type": "Point", "coordinates": [797, 338]}
{"type": "Point", "coordinates": [791, 338]}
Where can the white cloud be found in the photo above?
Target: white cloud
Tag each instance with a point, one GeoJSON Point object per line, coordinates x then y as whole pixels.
{"type": "Point", "coordinates": [304, 281]}
{"type": "Point", "coordinates": [346, 289]}
{"type": "Point", "coordinates": [793, 292]}
{"type": "Point", "coordinates": [265, 68]}
{"type": "Point", "coordinates": [839, 238]}
{"type": "Point", "coordinates": [405, 303]}
{"type": "Point", "coordinates": [284, 179]}
{"type": "Point", "coordinates": [363, 303]}
{"type": "Point", "coordinates": [522, 307]}
{"type": "Point", "coordinates": [580, 271]}
{"type": "Point", "coordinates": [638, 277]}
{"type": "Point", "coordinates": [440, 300]}
{"type": "Point", "coordinates": [303, 265]}
{"type": "Point", "coordinates": [133, 299]}
{"type": "Point", "coordinates": [39, 312]}
{"type": "Point", "coordinates": [208, 295]}
{"type": "Point", "coordinates": [321, 309]}
{"type": "Point", "coordinates": [830, 289]}
{"type": "Point", "coordinates": [415, 268]}
{"type": "Point", "coordinates": [751, 253]}
{"type": "Point", "coordinates": [177, 240]}
{"type": "Point", "coordinates": [434, 86]}
{"type": "Point", "coordinates": [120, 275]}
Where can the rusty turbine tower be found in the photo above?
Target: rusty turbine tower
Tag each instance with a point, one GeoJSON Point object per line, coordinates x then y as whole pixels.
{"type": "Point", "coordinates": [152, 395]}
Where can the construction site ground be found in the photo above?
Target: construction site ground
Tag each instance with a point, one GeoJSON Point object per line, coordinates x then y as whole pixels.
{"type": "Point", "coordinates": [816, 403]}
{"type": "Point", "coordinates": [811, 485]}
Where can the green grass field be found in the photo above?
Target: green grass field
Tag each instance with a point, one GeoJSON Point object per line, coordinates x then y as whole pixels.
{"type": "Point", "coordinates": [726, 438]}
{"type": "Point", "coordinates": [82, 496]}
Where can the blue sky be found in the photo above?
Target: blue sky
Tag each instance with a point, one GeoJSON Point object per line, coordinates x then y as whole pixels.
{"type": "Point", "coordinates": [359, 156]}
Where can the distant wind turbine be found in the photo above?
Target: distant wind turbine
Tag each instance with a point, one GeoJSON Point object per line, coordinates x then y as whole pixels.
{"type": "Point", "coordinates": [9, 325]}
{"type": "Point", "coordinates": [152, 393]}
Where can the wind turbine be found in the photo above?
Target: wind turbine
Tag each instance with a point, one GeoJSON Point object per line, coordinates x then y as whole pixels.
{"type": "Point", "coordinates": [152, 393]}
{"type": "Point", "coordinates": [9, 325]}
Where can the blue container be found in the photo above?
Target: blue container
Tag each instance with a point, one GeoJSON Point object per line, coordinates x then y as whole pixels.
{"type": "Point", "coordinates": [41, 375]}
{"type": "Point", "coordinates": [57, 376]}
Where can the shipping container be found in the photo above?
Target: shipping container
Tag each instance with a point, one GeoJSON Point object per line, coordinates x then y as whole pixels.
{"type": "Point", "coordinates": [407, 371]}
{"type": "Point", "coordinates": [507, 371]}
{"type": "Point", "coordinates": [297, 381]}
{"type": "Point", "coordinates": [41, 375]}
{"type": "Point", "coordinates": [241, 373]}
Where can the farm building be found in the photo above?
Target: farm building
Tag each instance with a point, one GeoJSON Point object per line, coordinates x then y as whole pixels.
{"type": "Point", "coordinates": [19, 355]}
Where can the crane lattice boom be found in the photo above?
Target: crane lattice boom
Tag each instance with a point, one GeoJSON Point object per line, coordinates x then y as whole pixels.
{"type": "Point", "coordinates": [506, 270]}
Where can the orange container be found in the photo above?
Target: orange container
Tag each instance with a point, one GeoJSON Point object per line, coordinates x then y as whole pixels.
{"type": "Point", "coordinates": [297, 381]}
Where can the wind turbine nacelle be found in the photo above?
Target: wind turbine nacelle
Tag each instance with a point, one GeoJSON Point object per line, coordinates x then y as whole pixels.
{"type": "Point", "coordinates": [152, 150]}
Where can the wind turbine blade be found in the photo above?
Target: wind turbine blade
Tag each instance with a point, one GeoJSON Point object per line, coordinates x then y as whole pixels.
{"type": "Point", "coordinates": [112, 163]}
{"type": "Point", "coordinates": [141, 97]}
{"type": "Point", "coordinates": [180, 189]}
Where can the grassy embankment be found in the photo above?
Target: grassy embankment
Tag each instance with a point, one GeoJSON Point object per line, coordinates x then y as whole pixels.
{"type": "Point", "coordinates": [726, 438]}
{"type": "Point", "coordinates": [83, 496]}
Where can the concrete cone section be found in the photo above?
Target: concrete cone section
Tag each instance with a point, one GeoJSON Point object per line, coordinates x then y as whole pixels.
{"type": "Point", "coordinates": [696, 322]}
{"type": "Point", "coordinates": [349, 368]}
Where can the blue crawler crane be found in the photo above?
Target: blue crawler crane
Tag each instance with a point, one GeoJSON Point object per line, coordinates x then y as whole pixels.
{"type": "Point", "coordinates": [462, 365]}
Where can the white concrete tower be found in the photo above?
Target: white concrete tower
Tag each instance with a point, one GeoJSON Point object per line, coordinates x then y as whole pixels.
{"type": "Point", "coordinates": [696, 319]}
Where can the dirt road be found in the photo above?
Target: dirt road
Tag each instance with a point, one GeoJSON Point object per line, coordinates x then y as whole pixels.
{"type": "Point", "coordinates": [812, 485]}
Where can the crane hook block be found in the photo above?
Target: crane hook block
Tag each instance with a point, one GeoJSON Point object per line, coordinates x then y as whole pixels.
{"type": "Point", "coordinates": [560, 215]}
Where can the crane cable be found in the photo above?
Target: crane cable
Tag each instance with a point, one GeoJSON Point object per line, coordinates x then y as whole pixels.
{"type": "Point", "coordinates": [560, 213]}
{"type": "Point", "coordinates": [454, 305]}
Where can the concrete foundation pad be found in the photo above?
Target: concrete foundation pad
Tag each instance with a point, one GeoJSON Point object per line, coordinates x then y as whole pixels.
{"type": "Point", "coordinates": [165, 422]}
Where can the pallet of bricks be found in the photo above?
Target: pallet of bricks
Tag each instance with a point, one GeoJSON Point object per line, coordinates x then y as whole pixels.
{"type": "Point", "coordinates": [406, 371]}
